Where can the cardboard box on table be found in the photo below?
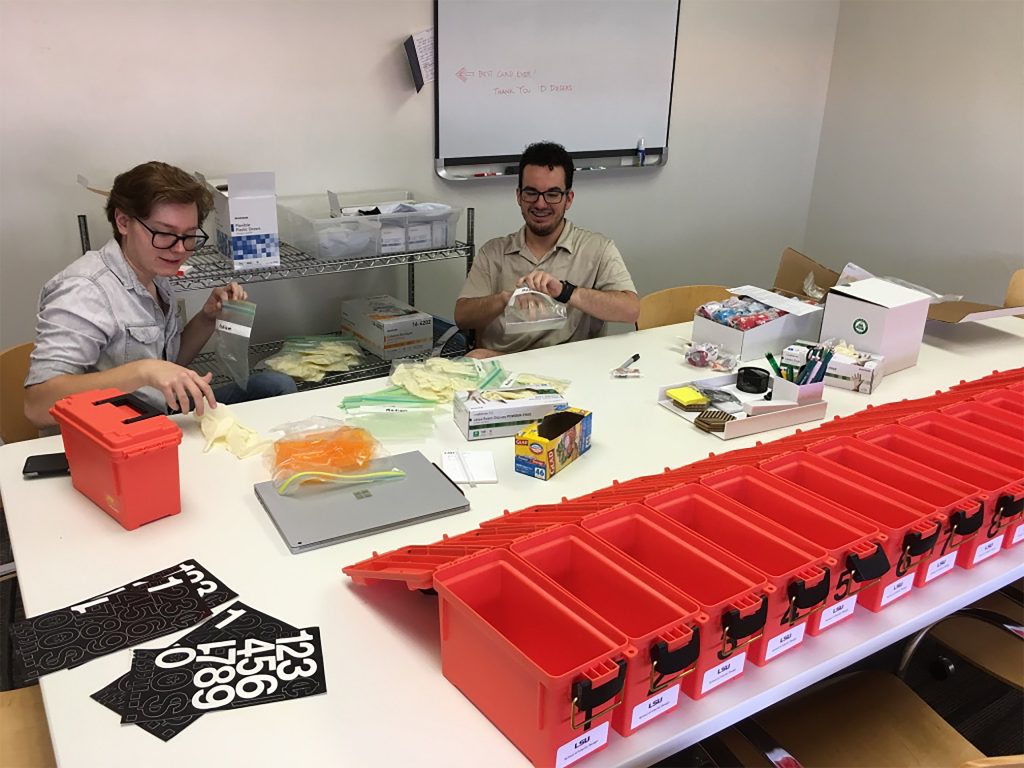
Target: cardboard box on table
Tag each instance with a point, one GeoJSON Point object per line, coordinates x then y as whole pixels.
{"type": "Point", "coordinates": [802, 322]}
{"type": "Point", "coordinates": [880, 317]}
{"type": "Point", "coordinates": [546, 448]}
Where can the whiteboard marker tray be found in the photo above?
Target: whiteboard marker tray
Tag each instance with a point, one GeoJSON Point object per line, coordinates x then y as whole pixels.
{"type": "Point", "coordinates": [743, 425]}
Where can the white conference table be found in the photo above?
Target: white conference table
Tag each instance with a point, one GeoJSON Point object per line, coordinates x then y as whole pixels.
{"type": "Point", "coordinates": [387, 701]}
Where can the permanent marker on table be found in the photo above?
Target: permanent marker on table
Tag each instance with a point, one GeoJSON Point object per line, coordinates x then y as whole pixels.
{"type": "Point", "coordinates": [629, 362]}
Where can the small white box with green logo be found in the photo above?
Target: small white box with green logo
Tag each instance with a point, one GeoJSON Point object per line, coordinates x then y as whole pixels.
{"type": "Point", "coordinates": [880, 317]}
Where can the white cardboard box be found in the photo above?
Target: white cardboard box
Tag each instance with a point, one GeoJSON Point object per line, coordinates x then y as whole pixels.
{"type": "Point", "coordinates": [880, 317]}
{"type": "Point", "coordinates": [861, 373]}
{"type": "Point", "coordinates": [802, 322]}
{"type": "Point", "coordinates": [387, 327]}
{"type": "Point", "coordinates": [482, 414]}
{"type": "Point", "coordinates": [246, 215]}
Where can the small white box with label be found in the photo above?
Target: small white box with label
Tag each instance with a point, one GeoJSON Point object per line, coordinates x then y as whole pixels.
{"type": "Point", "coordinates": [246, 212]}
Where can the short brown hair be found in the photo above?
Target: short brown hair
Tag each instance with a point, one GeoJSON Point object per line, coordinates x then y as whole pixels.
{"type": "Point", "coordinates": [136, 191]}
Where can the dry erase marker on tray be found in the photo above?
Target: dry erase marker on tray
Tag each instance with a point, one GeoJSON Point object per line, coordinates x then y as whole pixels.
{"type": "Point", "coordinates": [641, 151]}
{"type": "Point", "coordinates": [490, 173]}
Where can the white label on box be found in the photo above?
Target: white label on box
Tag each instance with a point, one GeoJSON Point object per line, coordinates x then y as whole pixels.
{"type": "Point", "coordinates": [582, 746]}
{"type": "Point", "coordinates": [419, 236]}
{"type": "Point", "coordinates": [898, 588]}
{"type": "Point", "coordinates": [940, 566]}
{"type": "Point", "coordinates": [234, 328]}
{"type": "Point", "coordinates": [723, 672]}
{"type": "Point", "coordinates": [988, 549]}
{"type": "Point", "coordinates": [440, 234]}
{"type": "Point", "coordinates": [789, 639]}
{"type": "Point", "coordinates": [646, 711]}
{"type": "Point", "coordinates": [1018, 534]}
{"type": "Point", "coordinates": [392, 239]}
{"type": "Point", "coordinates": [837, 612]}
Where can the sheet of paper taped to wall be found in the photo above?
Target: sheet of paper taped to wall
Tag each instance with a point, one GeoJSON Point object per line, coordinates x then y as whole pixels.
{"type": "Point", "coordinates": [220, 428]}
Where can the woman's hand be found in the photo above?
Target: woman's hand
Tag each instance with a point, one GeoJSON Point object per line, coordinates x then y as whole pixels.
{"type": "Point", "coordinates": [232, 291]}
{"type": "Point", "coordinates": [180, 386]}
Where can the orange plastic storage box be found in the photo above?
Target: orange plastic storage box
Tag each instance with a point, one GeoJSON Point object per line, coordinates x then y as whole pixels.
{"type": "Point", "coordinates": [926, 483]}
{"type": "Point", "coordinates": [123, 454]}
{"type": "Point", "coordinates": [734, 595]}
{"type": "Point", "coordinates": [1004, 484]}
{"type": "Point", "coordinates": [914, 527]}
{"type": "Point", "coordinates": [544, 668]}
{"type": "Point", "coordinates": [856, 544]}
{"type": "Point", "coordinates": [663, 624]}
{"type": "Point", "coordinates": [800, 570]}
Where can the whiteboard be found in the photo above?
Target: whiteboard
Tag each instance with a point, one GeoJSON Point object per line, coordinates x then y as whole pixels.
{"type": "Point", "coordinates": [593, 75]}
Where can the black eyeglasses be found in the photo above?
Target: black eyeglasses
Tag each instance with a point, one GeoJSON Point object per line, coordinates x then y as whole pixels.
{"type": "Point", "coordinates": [553, 195]}
{"type": "Point", "coordinates": [167, 240]}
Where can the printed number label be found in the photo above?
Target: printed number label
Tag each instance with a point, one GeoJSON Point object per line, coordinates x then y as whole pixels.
{"type": "Point", "coordinates": [942, 565]}
{"type": "Point", "coordinates": [255, 669]}
{"type": "Point", "coordinates": [723, 672]}
{"type": "Point", "coordinates": [785, 641]}
{"type": "Point", "coordinates": [988, 549]}
{"type": "Point", "coordinates": [898, 588]}
{"type": "Point", "coordinates": [582, 746]}
{"type": "Point", "coordinates": [647, 710]}
{"type": "Point", "coordinates": [837, 612]}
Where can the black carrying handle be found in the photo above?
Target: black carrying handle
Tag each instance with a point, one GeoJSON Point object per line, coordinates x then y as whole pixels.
{"type": "Point", "coordinates": [869, 568]}
{"type": "Point", "coordinates": [1007, 506]}
{"type": "Point", "coordinates": [736, 627]}
{"type": "Point", "coordinates": [803, 597]}
{"type": "Point", "coordinates": [587, 698]}
{"type": "Point", "coordinates": [964, 523]}
{"type": "Point", "coordinates": [915, 544]}
{"type": "Point", "coordinates": [669, 662]}
{"type": "Point", "coordinates": [144, 409]}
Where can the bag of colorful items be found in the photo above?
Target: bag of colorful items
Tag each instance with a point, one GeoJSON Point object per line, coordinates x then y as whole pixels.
{"type": "Point", "coordinates": [739, 312]}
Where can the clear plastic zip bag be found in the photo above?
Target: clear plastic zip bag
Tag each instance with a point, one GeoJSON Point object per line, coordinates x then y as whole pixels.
{"type": "Point", "coordinates": [529, 311]}
{"type": "Point", "coordinates": [234, 326]}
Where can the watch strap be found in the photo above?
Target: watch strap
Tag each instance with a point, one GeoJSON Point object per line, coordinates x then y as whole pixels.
{"type": "Point", "coordinates": [566, 294]}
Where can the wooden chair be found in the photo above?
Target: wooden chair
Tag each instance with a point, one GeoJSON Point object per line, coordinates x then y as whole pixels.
{"type": "Point", "coordinates": [872, 718]}
{"type": "Point", "coordinates": [24, 735]}
{"type": "Point", "coordinates": [676, 305]}
{"type": "Point", "coordinates": [1015, 291]}
{"type": "Point", "coordinates": [13, 369]}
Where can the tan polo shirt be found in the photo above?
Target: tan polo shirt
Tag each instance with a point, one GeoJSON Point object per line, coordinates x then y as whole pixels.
{"type": "Point", "coordinates": [585, 259]}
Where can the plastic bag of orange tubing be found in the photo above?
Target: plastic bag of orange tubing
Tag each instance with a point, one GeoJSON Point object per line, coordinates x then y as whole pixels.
{"type": "Point", "coordinates": [319, 454]}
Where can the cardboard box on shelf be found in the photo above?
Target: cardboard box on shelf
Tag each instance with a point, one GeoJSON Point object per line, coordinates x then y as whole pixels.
{"type": "Point", "coordinates": [549, 446]}
{"type": "Point", "coordinates": [245, 206]}
{"type": "Point", "coordinates": [503, 412]}
{"type": "Point", "coordinates": [879, 317]}
{"type": "Point", "coordinates": [387, 327]}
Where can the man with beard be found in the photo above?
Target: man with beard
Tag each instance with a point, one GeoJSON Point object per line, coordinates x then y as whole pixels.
{"type": "Point", "coordinates": [581, 269]}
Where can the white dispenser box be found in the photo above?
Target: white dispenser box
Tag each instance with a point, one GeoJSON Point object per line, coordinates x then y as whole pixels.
{"type": "Point", "coordinates": [246, 212]}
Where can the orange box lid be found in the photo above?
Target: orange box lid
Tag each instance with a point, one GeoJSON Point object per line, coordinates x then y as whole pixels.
{"type": "Point", "coordinates": [116, 421]}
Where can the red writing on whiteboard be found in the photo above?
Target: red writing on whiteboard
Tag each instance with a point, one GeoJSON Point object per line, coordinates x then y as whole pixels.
{"type": "Point", "coordinates": [556, 88]}
{"type": "Point", "coordinates": [515, 90]}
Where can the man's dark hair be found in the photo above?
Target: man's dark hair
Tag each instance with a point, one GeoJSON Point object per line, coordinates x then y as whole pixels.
{"type": "Point", "coordinates": [549, 154]}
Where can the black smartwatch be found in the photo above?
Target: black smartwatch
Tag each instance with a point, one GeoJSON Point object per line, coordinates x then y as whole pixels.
{"type": "Point", "coordinates": [566, 294]}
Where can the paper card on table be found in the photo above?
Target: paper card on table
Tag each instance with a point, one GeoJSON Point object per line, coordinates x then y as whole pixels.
{"type": "Point", "coordinates": [227, 674]}
{"type": "Point", "coordinates": [479, 465]}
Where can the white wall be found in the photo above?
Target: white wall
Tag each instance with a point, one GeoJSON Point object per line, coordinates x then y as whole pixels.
{"type": "Point", "coordinates": [921, 168]}
{"type": "Point", "coordinates": [320, 92]}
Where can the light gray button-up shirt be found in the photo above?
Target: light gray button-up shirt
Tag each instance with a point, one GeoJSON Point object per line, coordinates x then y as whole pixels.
{"type": "Point", "coordinates": [96, 315]}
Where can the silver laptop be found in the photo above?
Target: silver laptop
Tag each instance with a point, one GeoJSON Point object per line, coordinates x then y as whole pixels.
{"type": "Point", "coordinates": [331, 516]}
